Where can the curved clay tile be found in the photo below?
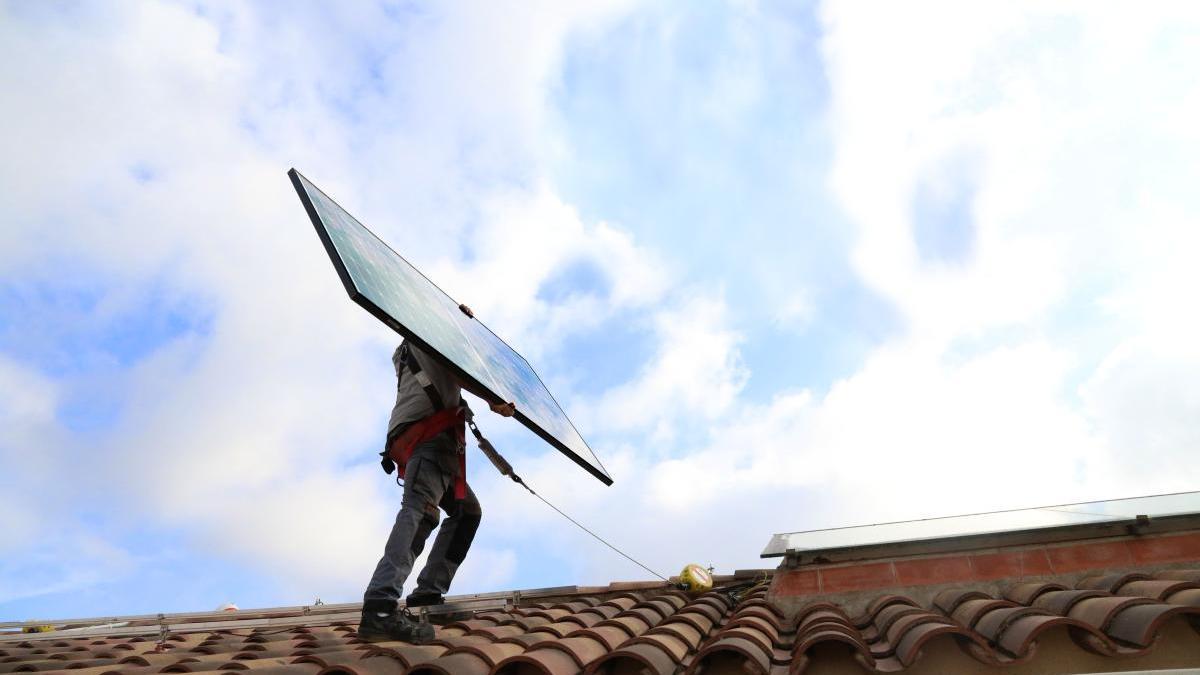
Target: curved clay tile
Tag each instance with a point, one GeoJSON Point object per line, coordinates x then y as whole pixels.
{"type": "Point", "coordinates": [603, 611]}
{"type": "Point", "coordinates": [1061, 602]}
{"type": "Point", "coordinates": [993, 623]}
{"type": "Point", "coordinates": [734, 649]}
{"type": "Point", "coordinates": [879, 604]}
{"type": "Point", "coordinates": [524, 623]}
{"type": "Point", "coordinates": [298, 644]}
{"type": "Point", "coordinates": [633, 624]}
{"type": "Point", "coordinates": [1181, 575]}
{"type": "Point", "coordinates": [908, 647]}
{"type": "Point", "coordinates": [713, 614]}
{"type": "Point", "coordinates": [609, 636]}
{"type": "Point", "coordinates": [1109, 583]}
{"type": "Point", "coordinates": [471, 624]}
{"type": "Point", "coordinates": [807, 642]}
{"type": "Point", "coordinates": [1189, 597]}
{"type": "Point", "coordinates": [493, 633]}
{"type": "Point", "coordinates": [970, 612]}
{"type": "Point", "coordinates": [649, 656]}
{"type": "Point", "coordinates": [901, 627]}
{"type": "Point", "coordinates": [1025, 594]}
{"type": "Point", "coordinates": [702, 622]}
{"type": "Point", "coordinates": [819, 612]}
{"type": "Point", "coordinates": [756, 623]}
{"type": "Point", "coordinates": [716, 601]}
{"type": "Point", "coordinates": [661, 608]}
{"type": "Point", "coordinates": [672, 646]}
{"type": "Point", "coordinates": [460, 663]}
{"type": "Point", "coordinates": [582, 620]}
{"type": "Point", "coordinates": [525, 640]}
{"type": "Point", "coordinates": [850, 632]}
{"type": "Point", "coordinates": [761, 613]}
{"type": "Point", "coordinates": [267, 654]}
{"type": "Point", "coordinates": [761, 601]}
{"type": "Point", "coordinates": [575, 606]}
{"type": "Point", "coordinates": [543, 661]}
{"type": "Point", "coordinates": [1098, 612]}
{"type": "Point", "coordinates": [583, 649]}
{"type": "Point", "coordinates": [347, 659]}
{"type": "Point", "coordinates": [367, 665]}
{"type": "Point", "coordinates": [625, 600]}
{"type": "Point", "coordinates": [409, 656]}
{"type": "Point", "coordinates": [453, 641]}
{"type": "Point", "coordinates": [1157, 589]}
{"type": "Point", "coordinates": [1019, 636]}
{"type": "Point", "coordinates": [677, 598]}
{"type": "Point", "coordinates": [469, 660]}
{"type": "Point", "coordinates": [1140, 624]}
{"type": "Point", "coordinates": [681, 630]}
{"type": "Point", "coordinates": [551, 615]}
{"type": "Point", "coordinates": [764, 641]}
{"type": "Point", "coordinates": [560, 629]}
{"type": "Point", "coordinates": [889, 615]}
{"type": "Point", "coordinates": [950, 599]}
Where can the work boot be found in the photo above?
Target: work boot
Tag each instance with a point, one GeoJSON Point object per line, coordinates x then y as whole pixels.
{"type": "Point", "coordinates": [398, 625]}
{"type": "Point", "coordinates": [434, 599]}
{"type": "Point", "coordinates": [424, 599]}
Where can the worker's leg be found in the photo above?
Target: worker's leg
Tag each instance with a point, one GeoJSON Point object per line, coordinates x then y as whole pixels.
{"type": "Point", "coordinates": [451, 544]}
{"type": "Point", "coordinates": [424, 485]}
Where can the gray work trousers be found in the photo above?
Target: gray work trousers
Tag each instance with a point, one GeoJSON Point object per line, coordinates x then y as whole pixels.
{"type": "Point", "coordinates": [428, 485]}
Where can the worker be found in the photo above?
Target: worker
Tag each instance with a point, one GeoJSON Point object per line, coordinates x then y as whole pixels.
{"type": "Point", "coordinates": [425, 442]}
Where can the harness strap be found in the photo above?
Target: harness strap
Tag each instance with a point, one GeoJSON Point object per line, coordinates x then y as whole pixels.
{"type": "Point", "coordinates": [443, 419]}
{"type": "Point", "coordinates": [431, 391]}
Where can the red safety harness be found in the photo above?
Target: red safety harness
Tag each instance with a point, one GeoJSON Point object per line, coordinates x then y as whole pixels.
{"type": "Point", "coordinates": [443, 419]}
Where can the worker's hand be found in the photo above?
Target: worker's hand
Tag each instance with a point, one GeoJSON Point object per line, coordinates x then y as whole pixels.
{"type": "Point", "coordinates": [467, 310]}
{"type": "Point", "coordinates": [505, 409]}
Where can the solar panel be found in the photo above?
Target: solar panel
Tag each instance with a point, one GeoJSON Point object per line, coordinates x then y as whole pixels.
{"type": "Point", "coordinates": [393, 291]}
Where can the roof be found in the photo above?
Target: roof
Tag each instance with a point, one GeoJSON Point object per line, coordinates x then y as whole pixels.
{"type": "Point", "coordinates": [1109, 596]}
{"type": "Point", "coordinates": [1104, 622]}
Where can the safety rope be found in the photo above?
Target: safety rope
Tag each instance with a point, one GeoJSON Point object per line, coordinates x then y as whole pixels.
{"type": "Point", "coordinates": [517, 479]}
{"type": "Point", "coordinates": [506, 469]}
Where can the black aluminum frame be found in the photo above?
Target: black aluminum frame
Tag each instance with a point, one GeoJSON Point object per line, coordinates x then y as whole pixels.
{"type": "Point", "coordinates": [391, 322]}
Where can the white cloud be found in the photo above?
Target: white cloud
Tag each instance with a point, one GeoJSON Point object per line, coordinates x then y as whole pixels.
{"type": "Point", "coordinates": [1051, 364]}
{"type": "Point", "coordinates": [245, 435]}
{"type": "Point", "coordinates": [531, 237]}
{"type": "Point", "coordinates": [696, 372]}
{"type": "Point", "coordinates": [152, 151]}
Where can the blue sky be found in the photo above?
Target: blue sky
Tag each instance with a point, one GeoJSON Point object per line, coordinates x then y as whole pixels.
{"type": "Point", "coordinates": [786, 265]}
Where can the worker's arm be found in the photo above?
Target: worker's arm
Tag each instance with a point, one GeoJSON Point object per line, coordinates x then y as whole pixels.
{"type": "Point", "coordinates": [506, 409]}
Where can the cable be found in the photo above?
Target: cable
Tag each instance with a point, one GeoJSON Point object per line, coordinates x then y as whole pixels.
{"type": "Point", "coordinates": [1051, 507]}
{"type": "Point", "coordinates": [517, 479]}
{"type": "Point", "coordinates": [506, 469]}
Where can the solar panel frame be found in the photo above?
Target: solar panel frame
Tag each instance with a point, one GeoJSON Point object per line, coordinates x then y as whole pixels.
{"type": "Point", "coordinates": [359, 298]}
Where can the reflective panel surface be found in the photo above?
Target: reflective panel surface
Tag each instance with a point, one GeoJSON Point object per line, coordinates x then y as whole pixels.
{"type": "Point", "coordinates": [1014, 520]}
{"type": "Point", "coordinates": [384, 283]}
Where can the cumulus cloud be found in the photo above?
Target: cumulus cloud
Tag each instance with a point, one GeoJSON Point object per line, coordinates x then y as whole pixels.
{"type": "Point", "coordinates": [170, 129]}
{"type": "Point", "coordinates": [1018, 190]}
{"type": "Point", "coordinates": [1014, 188]}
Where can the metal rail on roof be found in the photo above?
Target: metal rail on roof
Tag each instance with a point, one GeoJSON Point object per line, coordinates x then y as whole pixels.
{"type": "Point", "coordinates": [994, 523]}
{"type": "Point", "coordinates": [299, 615]}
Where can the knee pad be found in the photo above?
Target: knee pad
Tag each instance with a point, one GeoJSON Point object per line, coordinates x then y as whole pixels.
{"type": "Point", "coordinates": [464, 534]}
{"type": "Point", "coordinates": [424, 527]}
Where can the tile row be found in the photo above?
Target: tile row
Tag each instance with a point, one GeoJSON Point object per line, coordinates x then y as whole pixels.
{"type": "Point", "coordinates": [1107, 615]}
{"type": "Point", "coordinates": [659, 631]}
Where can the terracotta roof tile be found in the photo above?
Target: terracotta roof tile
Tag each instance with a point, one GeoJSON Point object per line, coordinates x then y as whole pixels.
{"type": "Point", "coordinates": [655, 629]}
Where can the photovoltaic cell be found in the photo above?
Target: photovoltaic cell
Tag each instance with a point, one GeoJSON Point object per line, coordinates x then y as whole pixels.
{"type": "Point", "coordinates": [391, 289]}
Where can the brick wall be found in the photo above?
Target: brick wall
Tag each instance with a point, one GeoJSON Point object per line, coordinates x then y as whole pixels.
{"type": "Point", "coordinates": [794, 587]}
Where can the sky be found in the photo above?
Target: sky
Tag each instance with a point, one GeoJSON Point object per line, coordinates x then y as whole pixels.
{"type": "Point", "coordinates": [786, 266]}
